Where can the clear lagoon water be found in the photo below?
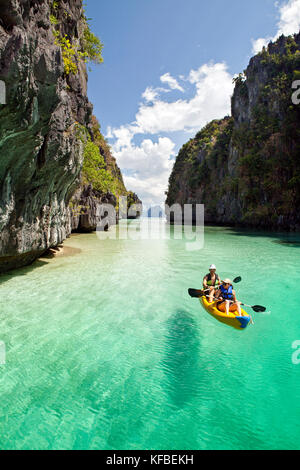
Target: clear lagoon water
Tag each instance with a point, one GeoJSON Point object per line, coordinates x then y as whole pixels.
{"type": "Point", "coordinates": [105, 349]}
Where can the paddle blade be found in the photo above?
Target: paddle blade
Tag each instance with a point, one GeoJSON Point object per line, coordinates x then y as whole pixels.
{"type": "Point", "coordinates": [237, 280]}
{"type": "Point", "coordinates": [259, 308]}
{"type": "Point", "coordinates": [195, 293]}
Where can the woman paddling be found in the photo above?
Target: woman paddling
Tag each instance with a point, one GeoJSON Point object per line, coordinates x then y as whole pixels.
{"type": "Point", "coordinates": [211, 281]}
{"type": "Point", "coordinates": [226, 295]}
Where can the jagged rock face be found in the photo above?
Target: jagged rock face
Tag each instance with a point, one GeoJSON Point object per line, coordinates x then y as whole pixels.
{"type": "Point", "coordinates": [41, 157]}
{"type": "Point", "coordinates": [245, 169]}
{"type": "Point", "coordinates": [92, 210]}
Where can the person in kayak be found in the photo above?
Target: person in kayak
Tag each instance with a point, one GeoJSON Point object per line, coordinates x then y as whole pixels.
{"type": "Point", "coordinates": [227, 298]}
{"type": "Point", "coordinates": [210, 282]}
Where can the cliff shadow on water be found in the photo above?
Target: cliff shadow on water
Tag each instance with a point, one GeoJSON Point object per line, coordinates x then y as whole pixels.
{"type": "Point", "coordinates": [288, 239]}
{"type": "Point", "coordinates": [23, 271]}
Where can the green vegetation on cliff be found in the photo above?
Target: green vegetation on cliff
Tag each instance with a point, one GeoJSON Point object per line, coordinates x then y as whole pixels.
{"type": "Point", "coordinates": [246, 169]}
{"type": "Point", "coordinates": [269, 143]}
{"type": "Point", "coordinates": [88, 48]}
{"type": "Point", "coordinates": [100, 168]}
{"type": "Point", "coordinates": [94, 169]}
{"type": "Point", "coordinates": [198, 163]}
{"type": "Point", "coordinates": [117, 187]}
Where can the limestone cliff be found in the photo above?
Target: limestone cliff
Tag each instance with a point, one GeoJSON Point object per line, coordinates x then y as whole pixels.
{"type": "Point", "coordinates": [245, 168]}
{"type": "Point", "coordinates": [41, 156]}
{"type": "Point", "coordinates": [101, 183]}
{"type": "Point", "coordinates": [52, 159]}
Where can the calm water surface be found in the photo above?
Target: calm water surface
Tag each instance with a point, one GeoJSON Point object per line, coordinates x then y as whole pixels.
{"type": "Point", "coordinates": [105, 350]}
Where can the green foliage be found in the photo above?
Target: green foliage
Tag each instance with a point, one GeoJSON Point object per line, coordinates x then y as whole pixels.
{"type": "Point", "coordinates": [53, 20]}
{"type": "Point", "coordinates": [110, 161]}
{"type": "Point", "coordinates": [99, 166]}
{"type": "Point", "coordinates": [94, 169]}
{"type": "Point", "coordinates": [87, 49]}
{"type": "Point", "coordinates": [91, 46]}
{"type": "Point", "coordinates": [69, 53]}
{"type": "Point", "coordinates": [200, 159]}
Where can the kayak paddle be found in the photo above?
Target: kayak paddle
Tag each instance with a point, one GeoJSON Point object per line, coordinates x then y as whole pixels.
{"type": "Point", "coordinates": [195, 293]}
{"type": "Point", "coordinates": [256, 308]}
{"type": "Point", "coordinates": [199, 293]}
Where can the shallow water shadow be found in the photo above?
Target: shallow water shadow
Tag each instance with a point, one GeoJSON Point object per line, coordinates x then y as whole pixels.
{"type": "Point", "coordinates": [180, 362]}
{"type": "Point", "coordinates": [288, 243]}
{"type": "Point", "coordinates": [290, 237]}
{"type": "Point", "coordinates": [22, 271]}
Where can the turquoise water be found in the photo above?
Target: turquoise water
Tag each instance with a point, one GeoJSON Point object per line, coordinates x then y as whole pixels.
{"type": "Point", "coordinates": [105, 350]}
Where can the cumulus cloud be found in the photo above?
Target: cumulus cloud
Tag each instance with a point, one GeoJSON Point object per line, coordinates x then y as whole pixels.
{"type": "Point", "coordinates": [149, 158]}
{"type": "Point", "coordinates": [147, 166]}
{"type": "Point", "coordinates": [289, 18]}
{"type": "Point", "coordinates": [171, 81]}
{"type": "Point", "coordinates": [289, 23]}
{"type": "Point", "coordinates": [211, 100]}
{"type": "Point", "coordinates": [258, 44]}
{"type": "Point", "coordinates": [150, 190]}
{"type": "Point", "coordinates": [152, 94]}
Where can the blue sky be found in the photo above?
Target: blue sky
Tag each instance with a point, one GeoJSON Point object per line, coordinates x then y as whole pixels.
{"type": "Point", "coordinates": [168, 69]}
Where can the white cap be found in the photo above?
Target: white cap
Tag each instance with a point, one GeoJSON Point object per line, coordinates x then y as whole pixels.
{"type": "Point", "coordinates": [212, 267]}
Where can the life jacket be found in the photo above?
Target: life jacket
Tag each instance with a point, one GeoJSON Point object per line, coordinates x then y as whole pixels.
{"type": "Point", "coordinates": [226, 294]}
{"type": "Point", "coordinates": [209, 281]}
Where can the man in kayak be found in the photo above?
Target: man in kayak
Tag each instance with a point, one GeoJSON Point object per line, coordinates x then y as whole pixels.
{"type": "Point", "coordinates": [227, 298]}
{"type": "Point", "coordinates": [210, 282]}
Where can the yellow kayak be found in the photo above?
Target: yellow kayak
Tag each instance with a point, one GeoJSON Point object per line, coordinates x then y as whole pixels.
{"type": "Point", "coordinates": [233, 319]}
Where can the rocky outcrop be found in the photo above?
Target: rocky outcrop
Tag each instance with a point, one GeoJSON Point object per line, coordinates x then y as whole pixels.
{"type": "Point", "coordinates": [91, 210]}
{"type": "Point", "coordinates": [245, 168]}
{"type": "Point", "coordinates": [134, 206]}
{"type": "Point", "coordinates": [102, 198]}
{"type": "Point", "coordinates": [41, 155]}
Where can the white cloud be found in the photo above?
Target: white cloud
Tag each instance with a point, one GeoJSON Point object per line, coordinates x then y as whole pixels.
{"type": "Point", "coordinates": [149, 164]}
{"type": "Point", "coordinates": [150, 190]}
{"type": "Point", "coordinates": [171, 81]}
{"type": "Point", "coordinates": [150, 94]}
{"type": "Point", "coordinates": [150, 158]}
{"type": "Point", "coordinates": [289, 18]}
{"type": "Point", "coordinates": [258, 44]}
{"type": "Point", "coordinates": [212, 100]}
{"type": "Point", "coordinates": [289, 23]}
